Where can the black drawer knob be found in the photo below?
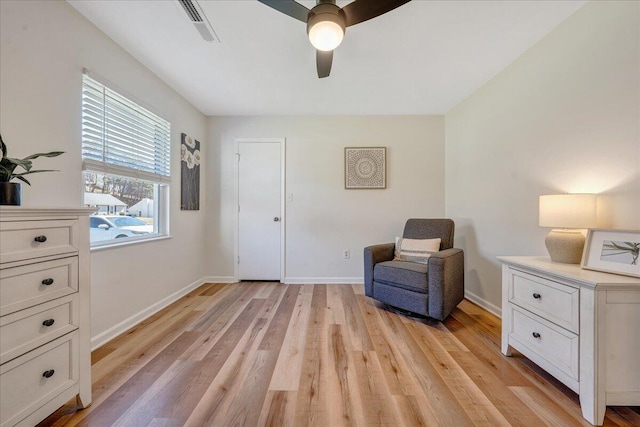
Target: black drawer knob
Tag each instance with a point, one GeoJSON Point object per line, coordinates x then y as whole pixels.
{"type": "Point", "coordinates": [48, 322]}
{"type": "Point", "coordinates": [49, 373]}
{"type": "Point", "coordinates": [536, 335]}
{"type": "Point", "coordinates": [48, 281]}
{"type": "Point", "coordinates": [40, 239]}
{"type": "Point", "coordinates": [536, 295]}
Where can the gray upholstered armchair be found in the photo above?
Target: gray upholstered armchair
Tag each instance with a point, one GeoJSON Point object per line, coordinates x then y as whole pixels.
{"type": "Point", "coordinates": [431, 289]}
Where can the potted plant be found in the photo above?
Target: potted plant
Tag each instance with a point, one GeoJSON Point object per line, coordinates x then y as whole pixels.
{"type": "Point", "coordinates": [10, 192]}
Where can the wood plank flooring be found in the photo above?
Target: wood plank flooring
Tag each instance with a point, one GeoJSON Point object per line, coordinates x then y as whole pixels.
{"type": "Point", "coordinates": [268, 354]}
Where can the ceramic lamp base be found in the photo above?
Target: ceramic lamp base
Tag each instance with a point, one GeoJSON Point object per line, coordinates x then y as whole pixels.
{"type": "Point", "coordinates": [565, 246]}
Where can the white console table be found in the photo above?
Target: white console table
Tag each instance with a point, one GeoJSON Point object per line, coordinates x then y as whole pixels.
{"type": "Point", "coordinates": [581, 326]}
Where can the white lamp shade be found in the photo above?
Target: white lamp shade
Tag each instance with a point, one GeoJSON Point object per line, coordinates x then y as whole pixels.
{"type": "Point", "coordinates": [568, 211]}
{"type": "Point", "coordinates": [326, 35]}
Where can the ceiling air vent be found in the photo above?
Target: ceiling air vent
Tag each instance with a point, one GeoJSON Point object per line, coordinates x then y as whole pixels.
{"type": "Point", "coordinates": [198, 19]}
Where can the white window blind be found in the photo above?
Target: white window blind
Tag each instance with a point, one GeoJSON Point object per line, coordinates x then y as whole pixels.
{"type": "Point", "coordinates": [122, 138]}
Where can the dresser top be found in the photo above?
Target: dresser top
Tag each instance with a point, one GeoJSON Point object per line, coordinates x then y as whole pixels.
{"type": "Point", "coordinates": [572, 272]}
{"type": "Point", "coordinates": [12, 213]}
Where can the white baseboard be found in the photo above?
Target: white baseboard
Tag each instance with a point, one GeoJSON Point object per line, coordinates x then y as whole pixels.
{"type": "Point", "coordinates": [219, 279]}
{"type": "Point", "coordinates": [106, 336]}
{"type": "Point", "coordinates": [490, 307]}
{"type": "Point", "coordinates": [324, 280]}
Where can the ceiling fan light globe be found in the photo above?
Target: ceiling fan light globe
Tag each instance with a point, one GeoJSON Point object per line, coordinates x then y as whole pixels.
{"type": "Point", "coordinates": [326, 35]}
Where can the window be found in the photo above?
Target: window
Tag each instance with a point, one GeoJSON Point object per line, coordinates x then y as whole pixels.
{"type": "Point", "coordinates": [126, 152]}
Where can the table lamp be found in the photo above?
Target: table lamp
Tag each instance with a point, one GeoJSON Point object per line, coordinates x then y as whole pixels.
{"type": "Point", "coordinates": [567, 214]}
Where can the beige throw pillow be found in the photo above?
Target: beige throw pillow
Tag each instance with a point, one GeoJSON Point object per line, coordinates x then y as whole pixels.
{"type": "Point", "coordinates": [415, 250]}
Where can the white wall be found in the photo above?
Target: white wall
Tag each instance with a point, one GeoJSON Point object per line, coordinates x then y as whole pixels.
{"type": "Point", "coordinates": [324, 218]}
{"type": "Point", "coordinates": [564, 117]}
{"type": "Point", "coordinates": [44, 47]}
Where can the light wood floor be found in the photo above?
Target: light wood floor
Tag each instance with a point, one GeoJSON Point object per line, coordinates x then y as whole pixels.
{"type": "Point", "coordinates": [272, 354]}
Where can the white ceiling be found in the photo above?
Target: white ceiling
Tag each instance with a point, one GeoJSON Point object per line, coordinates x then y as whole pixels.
{"type": "Point", "coordinates": [422, 58]}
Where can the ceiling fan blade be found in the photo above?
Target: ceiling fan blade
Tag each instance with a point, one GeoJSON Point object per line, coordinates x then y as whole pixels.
{"type": "Point", "coordinates": [362, 10]}
{"type": "Point", "coordinates": [323, 62]}
{"type": "Point", "coordinates": [288, 7]}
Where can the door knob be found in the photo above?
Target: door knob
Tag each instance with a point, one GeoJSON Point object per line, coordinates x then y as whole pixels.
{"type": "Point", "coordinates": [276, 219]}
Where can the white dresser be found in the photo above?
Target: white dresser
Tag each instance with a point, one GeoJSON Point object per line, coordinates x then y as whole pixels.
{"type": "Point", "coordinates": [45, 357]}
{"type": "Point", "coordinates": [581, 326]}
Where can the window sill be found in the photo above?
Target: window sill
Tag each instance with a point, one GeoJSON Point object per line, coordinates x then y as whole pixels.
{"type": "Point", "coordinates": [114, 244]}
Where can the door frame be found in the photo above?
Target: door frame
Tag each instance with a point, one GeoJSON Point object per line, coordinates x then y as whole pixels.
{"type": "Point", "coordinates": [283, 216]}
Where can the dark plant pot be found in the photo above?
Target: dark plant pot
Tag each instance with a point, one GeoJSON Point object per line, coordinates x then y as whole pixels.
{"type": "Point", "coordinates": [10, 193]}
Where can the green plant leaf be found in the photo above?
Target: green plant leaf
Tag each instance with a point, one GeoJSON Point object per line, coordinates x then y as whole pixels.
{"type": "Point", "coordinates": [25, 164]}
{"type": "Point", "coordinates": [9, 164]}
{"type": "Point", "coordinates": [22, 179]}
{"type": "Point", "coordinates": [18, 175]}
{"type": "Point", "coordinates": [51, 154]}
{"type": "Point", "coordinates": [6, 170]}
{"type": "Point", "coordinates": [3, 147]}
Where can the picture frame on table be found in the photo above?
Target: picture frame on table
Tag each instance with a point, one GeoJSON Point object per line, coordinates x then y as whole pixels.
{"type": "Point", "coordinates": [612, 251]}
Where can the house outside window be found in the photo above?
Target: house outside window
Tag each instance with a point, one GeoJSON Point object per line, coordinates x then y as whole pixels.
{"type": "Point", "coordinates": [126, 166]}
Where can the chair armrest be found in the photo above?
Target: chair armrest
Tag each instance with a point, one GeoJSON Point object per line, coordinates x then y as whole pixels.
{"type": "Point", "coordinates": [446, 282]}
{"type": "Point", "coordinates": [373, 255]}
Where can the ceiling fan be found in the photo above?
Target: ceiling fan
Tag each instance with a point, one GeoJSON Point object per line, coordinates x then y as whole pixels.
{"type": "Point", "coordinates": [326, 22]}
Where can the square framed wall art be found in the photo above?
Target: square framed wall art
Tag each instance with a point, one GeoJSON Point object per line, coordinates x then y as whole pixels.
{"type": "Point", "coordinates": [365, 167]}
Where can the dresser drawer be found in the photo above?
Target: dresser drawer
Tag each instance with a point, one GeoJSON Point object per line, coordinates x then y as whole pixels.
{"type": "Point", "coordinates": [25, 388]}
{"type": "Point", "coordinates": [548, 341]}
{"type": "Point", "coordinates": [553, 301]}
{"type": "Point", "coordinates": [23, 287]}
{"type": "Point", "coordinates": [20, 240]}
{"type": "Point", "coordinates": [27, 329]}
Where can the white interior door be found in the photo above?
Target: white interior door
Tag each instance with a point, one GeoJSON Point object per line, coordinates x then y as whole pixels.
{"type": "Point", "coordinates": [259, 210]}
